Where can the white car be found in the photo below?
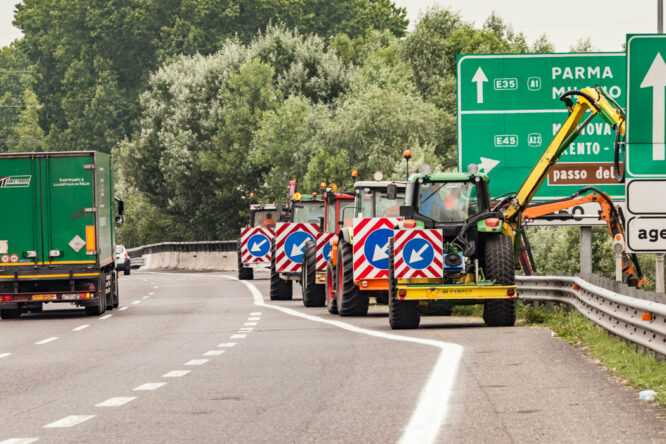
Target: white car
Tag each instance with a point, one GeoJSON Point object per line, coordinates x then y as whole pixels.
{"type": "Point", "coordinates": [123, 261]}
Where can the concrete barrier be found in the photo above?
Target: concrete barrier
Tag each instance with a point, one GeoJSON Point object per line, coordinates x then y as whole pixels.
{"type": "Point", "coordinates": [192, 260]}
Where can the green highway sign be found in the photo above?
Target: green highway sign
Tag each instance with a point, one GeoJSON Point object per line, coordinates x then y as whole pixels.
{"type": "Point", "coordinates": [646, 107]}
{"type": "Point", "coordinates": [509, 110]}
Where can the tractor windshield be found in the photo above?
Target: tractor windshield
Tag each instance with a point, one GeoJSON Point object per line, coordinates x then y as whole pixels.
{"type": "Point", "coordinates": [308, 211]}
{"type": "Point", "coordinates": [265, 218]}
{"type": "Point", "coordinates": [375, 203]}
{"type": "Point", "coordinates": [447, 201]}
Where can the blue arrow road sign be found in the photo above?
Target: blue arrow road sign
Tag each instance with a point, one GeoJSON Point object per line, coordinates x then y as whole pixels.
{"type": "Point", "coordinates": [294, 245]}
{"type": "Point", "coordinates": [376, 248]}
{"type": "Point", "coordinates": [418, 253]}
{"type": "Point", "coordinates": [327, 251]}
{"type": "Point", "coordinates": [258, 245]}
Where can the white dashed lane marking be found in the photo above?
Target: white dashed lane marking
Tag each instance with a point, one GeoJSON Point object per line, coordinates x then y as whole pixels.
{"type": "Point", "coordinates": [213, 353]}
{"type": "Point", "coordinates": [245, 330]}
{"type": "Point", "coordinates": [150, 386]}
{"type": "Point", "coordinates": [116, 402]}
{"type": "Point", "coordinates": [145, 297]}
{"type": "Point", "coordinates": [237, 336]}
{"type": "Point", "coordinates": [255, 313]}
{"type": "Point", "coordinates": [123, 308]}
{"type": "Point", "coordinates": [4, 355]}
{"type": "Point", "coordinates": [254, 318]}
{"type": "Point", "coordinates": [176, 373]}
{"type": "Point", "coordinates": [250, 324]}
{"type": "Point", "coordinates": [19, 440]}
{"type": "Point", "coordinates": [152, 293]}
{"type": "Point", "coordinates": [69, 421]}
{"type": "Point", "coordinates": [197, 362]}
{"type": "Point", "coordinates": [46, 341]}
{"type": "Point", "coordinates": [227, 344]}
{"type": "Point", "coordinates": [105, 317]}
{"type": "Point", "coordinates": [136, 302]}
{"type": "Point", "coordinates": [81, 327]}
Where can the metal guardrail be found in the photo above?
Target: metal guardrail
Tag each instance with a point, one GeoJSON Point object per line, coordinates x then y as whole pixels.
{"type": "Point", "coordinates": [619, 314]}
{"type": "Point", "coordinates": [183, 246]}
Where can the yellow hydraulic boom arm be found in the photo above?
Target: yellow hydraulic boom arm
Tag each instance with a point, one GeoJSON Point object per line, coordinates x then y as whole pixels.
{"type": "Point", "coordinates": [592, 99]}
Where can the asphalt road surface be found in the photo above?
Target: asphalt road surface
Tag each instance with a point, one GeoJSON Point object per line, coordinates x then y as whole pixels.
{"type": "Point", "coordinates": [205, 358]}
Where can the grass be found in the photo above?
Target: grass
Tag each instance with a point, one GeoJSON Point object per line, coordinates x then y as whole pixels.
{"type": "Point", "coordinates": [639, 370]}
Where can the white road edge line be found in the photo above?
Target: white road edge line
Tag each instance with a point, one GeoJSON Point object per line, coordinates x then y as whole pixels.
{"type": "Point", "coordinates": [46, 341]}
{"type": "Point", "coordinates": [116, 402]}
{"type": "Point", "coordinates": [68, 421]}
{"type": "Point", "coordinates": [19, 440]}
{"type": "Point", "coordinates": [433, 404]}
{"type": "Point", "coordinates": [4, 355]}
{"type": "Point", "coordinates": [79, 328]}
{"type": "Point", "coordinates": [149, 386]}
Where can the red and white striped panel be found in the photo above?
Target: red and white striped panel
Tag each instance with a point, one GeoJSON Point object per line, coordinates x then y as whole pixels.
{"type": "Point", "coordinates": [287, 261]}
{"type": "Point", "coordinates": [323, 240]}
{"type": "Point", "coordinates": [265, 235]}
{"type": "Point", "coordinates": [363, 261]}
{"type": "Point", "coordinates": [418, 253]}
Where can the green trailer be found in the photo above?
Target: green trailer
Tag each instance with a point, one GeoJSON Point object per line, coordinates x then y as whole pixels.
{"type": "Point", "coordinates": [57, 231]}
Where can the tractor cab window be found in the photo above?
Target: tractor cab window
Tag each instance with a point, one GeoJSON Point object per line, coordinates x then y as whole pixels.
{"type": "Point", "coordinates": [305, 212]}
{"type": "Point", "coordinates": [448, 201]}
{"type": "Point", "coordinates": [265, 218]}
{"type": "Point", "coordinates": [375, 203]}
{"type": "Point", "coordinates": [347, 212]}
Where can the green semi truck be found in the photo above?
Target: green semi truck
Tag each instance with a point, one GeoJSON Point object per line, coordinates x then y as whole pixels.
{"type": "Point", "coordinates": [57, 232]}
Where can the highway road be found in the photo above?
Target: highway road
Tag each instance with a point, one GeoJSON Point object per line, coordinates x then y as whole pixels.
{"type": "Point", "coordinates": [206, 358]}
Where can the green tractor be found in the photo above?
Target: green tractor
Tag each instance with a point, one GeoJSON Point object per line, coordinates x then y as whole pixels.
{"type": "Point", "coordinates": [450, 249]}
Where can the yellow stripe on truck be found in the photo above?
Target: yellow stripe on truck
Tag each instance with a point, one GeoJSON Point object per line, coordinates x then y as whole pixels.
{"type": "Point", "coordinates": [460, 292]}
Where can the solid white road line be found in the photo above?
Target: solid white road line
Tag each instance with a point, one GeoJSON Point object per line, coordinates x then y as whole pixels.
{"type": "Point", "coordinates": [4, 355]}
{"type": "Point", "coordinates": [150, 386]}
{"type": "Point", "coordinates": [81, 327]}
{"type": "Point", "coordinates": [69, 421]}
{"type": "Point", "coordinates": [46, 341]}
{"type": "Point", "coordinates": [136, 302]}
{"type": "Point", "coordinates": [227, 344]}
{"type": "Point", "coordinates": [197, 362]}
{"type": "Point", "coordinates": [249, 324]}
{"type": "Point", "coordinates": [213, 353]}
{"type": "Point", "coordinates": [433, 404]}
{"type": "Point", "coordinates": [116, 402]}
{"type": "Point", "coordinates": [176, 373]}
{"type": "Point", "coordinates": [123, 308]}
{"type": "Point", "coordinates": [237, 336]}
{"type": "Point", "coordinates": [255, 313]}
{"type": "Point", "coordinates": [19, 440]}
{"type": "Point", "coordinates": [105, 317]}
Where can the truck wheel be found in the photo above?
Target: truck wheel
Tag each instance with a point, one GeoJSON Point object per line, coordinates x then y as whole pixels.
{"type": "Point", "coordinates": [351, 301]}
{"type": "Point", "coordinates": [281, 290]}
{"type": "Point", "coordinates": [402, 314]}
{"type": "Point", "coordinates": [244, 273]}
{"type": "Point", "coordinates": [114, 288]}
{"type": "Point", "coordinates": [499, 268]}
{"type": "Point", "coordinates": [10, 313]}
{"type": "Point", "coordinates": [100, 306]}
{"type": "Point", "coordinates": [313, 294]}
{"type": "Point", "coordinates": [331, 302]}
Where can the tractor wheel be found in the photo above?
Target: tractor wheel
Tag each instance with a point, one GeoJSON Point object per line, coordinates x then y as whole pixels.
{"type": "Point", "coordinates": [351, 301]}
{"type": "Point", "coordinates": [402, 314]}
{"type": "Point", "coordinates": [244, 273]}
{"type": "Point", "coordinates": [10, 313]}
{"type": "Point", "coordinates": [313, 294]}
{"type": "Point", "coordinates": [281, 290]}
{"type": "Point", "coordinates": [499, 268]}
{"type": "Point", "coordinates": [331, 302]}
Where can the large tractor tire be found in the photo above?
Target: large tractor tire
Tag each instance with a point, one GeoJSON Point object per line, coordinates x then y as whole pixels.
{"type": "Point", "coordinates": [498, 259]}
{"type": "Point", "coordinates": [244, 273]}
{"type": "Point", "coordinates": [313, 294]}
{"type": "Point", "coordinates": [402, 314]}
{"type": "Point", "coordinates": [281, 290]}
{"type": "Point", "coordinates": [351, 301]}
{"type": "Point", "coordinates": [331, 301]}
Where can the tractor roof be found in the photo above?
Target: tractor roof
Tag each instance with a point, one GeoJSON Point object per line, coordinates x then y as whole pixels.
{"type": "Point", "coordinates": [447, 177]}
{"type": "Point", "coordinates": [378, 184]}
{"type": "Point", "coordinates": [259, 207]}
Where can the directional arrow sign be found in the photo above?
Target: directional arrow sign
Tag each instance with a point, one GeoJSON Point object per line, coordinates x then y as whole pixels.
{"type": "Point", "coordinates": [479, 78]}
{"type": "Point", "coordinates": [416, 255]}
{"type": "Point", "coordinates": [646, 106]}
{"type": "Point", "coordinates": [256, 247]}
{"type": "Point", "coordinates": [509, 110]}
{"type": "Point", "coordinates": [259, 245]}
{"type": "Point", "coordinates": [380, 253]}
{"type": "Point", "coordinates": [294, 245]}
{"type": "Point", "coordinates": [420, 253]}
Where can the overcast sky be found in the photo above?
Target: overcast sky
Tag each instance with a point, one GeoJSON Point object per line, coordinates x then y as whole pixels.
{"type": "Point", "coordinates": [564, 21]}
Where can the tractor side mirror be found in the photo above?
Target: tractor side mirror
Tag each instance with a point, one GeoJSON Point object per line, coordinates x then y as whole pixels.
{"type": "Point", "coordinates": [407, 212]}
{"type": "Point", "coordinates": [391, 191]}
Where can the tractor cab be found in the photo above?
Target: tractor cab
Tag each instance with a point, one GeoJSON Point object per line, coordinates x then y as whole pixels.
{"type": "Point", "coordinates": [378, 198]}
{"type": "Point", "coordinates": [265, 215]}
{"type": "Point", "coordinates": [306, 209]}
{"type": "Point", "coordinates": [339, 211]}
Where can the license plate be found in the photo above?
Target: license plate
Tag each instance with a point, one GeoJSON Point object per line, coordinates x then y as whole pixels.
{"type": "Point", "coordinates": [44, 297]}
